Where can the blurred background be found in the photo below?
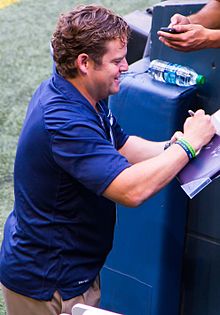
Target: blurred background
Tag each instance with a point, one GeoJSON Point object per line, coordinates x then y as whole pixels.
{"type": "Point", "coordinates": [26, 27]}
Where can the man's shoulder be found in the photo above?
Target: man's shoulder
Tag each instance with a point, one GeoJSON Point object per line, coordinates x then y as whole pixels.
{"type": "Point", "coordinates": [62, 104]}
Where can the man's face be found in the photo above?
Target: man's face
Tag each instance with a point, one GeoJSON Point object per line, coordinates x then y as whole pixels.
{"type": "Point", "coordinates": [104, 78]}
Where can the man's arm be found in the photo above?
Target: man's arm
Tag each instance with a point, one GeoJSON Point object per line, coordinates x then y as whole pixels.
{"type": "Point", "coordinates": [137, 149]}
{"type": "Point", "coordinates": [208, 16]}
{"type": "Point", "coordinates": [143, 179]}
{"type": "Point", "coordinates": [192, 37]}
{"type": "Point", "coordinates": [140, 181]}
{"type": "Point", "coordinates": [197, 31]}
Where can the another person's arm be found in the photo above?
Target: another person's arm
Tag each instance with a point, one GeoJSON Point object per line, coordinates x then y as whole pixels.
{"type": "Point", "coordinates": [143, 179]}
{"type": "Point", "coordinates": [208, 16]}
{"type": "Point", "coordinates": [197, 31]}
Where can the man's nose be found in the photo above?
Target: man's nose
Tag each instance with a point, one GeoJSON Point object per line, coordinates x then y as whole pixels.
{"type": "Point", "coordinates": [123, 65]}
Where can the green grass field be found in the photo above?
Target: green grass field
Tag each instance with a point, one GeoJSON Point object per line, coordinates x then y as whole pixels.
{"type": "Point", "coordinates": [26, 28]}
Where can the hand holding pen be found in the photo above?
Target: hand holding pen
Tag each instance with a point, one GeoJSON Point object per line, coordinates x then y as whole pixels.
{"type": "Point", "coordinates": [178, 134]}
{"type": "Point", "coordinates": [198, 129]}
{"type": "Point", "coordinates": [215, 118]}
{"type": "Point", "coordinates": [191, 112]}
{"type": "Point", "coordinates": [197, 132]}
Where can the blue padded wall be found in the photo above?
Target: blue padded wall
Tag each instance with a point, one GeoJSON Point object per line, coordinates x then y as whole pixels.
{"type": "Point", "coordinates": [200, 292]}
{"type": "Point", "coordinates": [142, 275]}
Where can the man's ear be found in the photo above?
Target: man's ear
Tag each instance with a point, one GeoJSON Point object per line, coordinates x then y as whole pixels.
{"type": "Point", "coordinates": [82, 63]}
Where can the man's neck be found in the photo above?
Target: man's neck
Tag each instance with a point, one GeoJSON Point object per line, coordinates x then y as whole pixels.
{"type": "Point", "coordinates": [81, 87]}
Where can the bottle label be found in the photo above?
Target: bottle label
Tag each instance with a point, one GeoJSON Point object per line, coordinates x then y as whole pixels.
{"type": "Point", "coordinates": [169, 77]}
{"type": "Point", "coordinates": [169, 74]}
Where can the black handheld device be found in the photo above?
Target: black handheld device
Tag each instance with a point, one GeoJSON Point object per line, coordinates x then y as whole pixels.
{"type": "Point", "coordinates": [169, 30]}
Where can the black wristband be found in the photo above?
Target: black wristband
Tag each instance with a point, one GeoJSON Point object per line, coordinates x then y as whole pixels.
{"type": "Point", "coordinates": [167, 145]}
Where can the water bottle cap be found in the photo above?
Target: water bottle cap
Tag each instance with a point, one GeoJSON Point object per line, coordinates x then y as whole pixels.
{"type": "Point", "coordinates": [200, 79]}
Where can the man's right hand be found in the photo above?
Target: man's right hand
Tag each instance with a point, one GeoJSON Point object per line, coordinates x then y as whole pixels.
{"type": "Point", "coordinates": [198, 130]}
{"type": "Point", "coordinates": [189, 37]}
{"type": "Point", "coordinates": [179, 19]}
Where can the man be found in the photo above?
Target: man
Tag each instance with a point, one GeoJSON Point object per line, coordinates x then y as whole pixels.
{"type": "Point", "coordinates": [73, 163]}
{"type": "Point", "coordinates": [197, 31]}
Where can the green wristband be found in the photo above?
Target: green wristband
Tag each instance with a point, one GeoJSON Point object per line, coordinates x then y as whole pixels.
{"type": "Point", "coordinates": [191, 149]}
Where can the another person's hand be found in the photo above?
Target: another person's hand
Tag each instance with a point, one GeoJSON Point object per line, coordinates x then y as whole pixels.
{"type": "Point", "coordinates": [190, 37]}
{"type": "Point", "coordinates": [179, 19]}
{"type": "Point", "coordinates": [198, 130]}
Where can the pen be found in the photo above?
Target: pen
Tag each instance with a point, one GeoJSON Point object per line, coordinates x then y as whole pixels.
{"type": "Point", "coordinates": [191, 113]}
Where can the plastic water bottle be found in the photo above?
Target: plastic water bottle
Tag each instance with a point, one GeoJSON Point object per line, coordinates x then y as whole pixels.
{"type": "Point", "coordinates": [174, 73]}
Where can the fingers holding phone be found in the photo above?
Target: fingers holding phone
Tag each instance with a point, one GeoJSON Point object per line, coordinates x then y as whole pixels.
{"type": "Point", "coordinates": [170, 30]}
{"type": "Point", "coordinates": [184, 37]}
{"type": "Point", "coordinates": [170, 35]}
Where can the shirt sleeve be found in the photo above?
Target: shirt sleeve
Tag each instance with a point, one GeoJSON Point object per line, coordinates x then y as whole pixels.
{"type": "Point", "coordinates": [81, 149]}
{"type": "Point", "coordinates": [119, 135]}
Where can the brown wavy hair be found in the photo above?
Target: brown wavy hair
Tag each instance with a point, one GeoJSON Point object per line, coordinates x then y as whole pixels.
{"type": "Point", "coordinates": [85, 29]}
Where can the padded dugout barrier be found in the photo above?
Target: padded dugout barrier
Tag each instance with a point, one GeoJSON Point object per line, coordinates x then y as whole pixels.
{"type": "Point", "coordinates": [201, 271]}
{"type": "Point", "coordinates": [142, 275]}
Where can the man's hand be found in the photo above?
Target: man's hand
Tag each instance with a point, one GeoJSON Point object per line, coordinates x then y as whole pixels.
{"type": "Point", "coordinates": [198, 130]}
{"type": "Point", "coordinates": [190, 37]}
{"type": "Point", "coordinates": [179, 19]}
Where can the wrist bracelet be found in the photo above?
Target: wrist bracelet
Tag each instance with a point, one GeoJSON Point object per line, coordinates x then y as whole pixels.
{"type": "Point", "coordinates": [187, 148]}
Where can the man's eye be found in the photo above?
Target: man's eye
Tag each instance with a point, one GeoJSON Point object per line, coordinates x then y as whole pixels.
{"type": "Point", "coordinates": [116, 62]}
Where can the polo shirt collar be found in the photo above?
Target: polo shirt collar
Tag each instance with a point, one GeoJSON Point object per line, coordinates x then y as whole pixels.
{"type": "Point", "coordinates": [69, 90]}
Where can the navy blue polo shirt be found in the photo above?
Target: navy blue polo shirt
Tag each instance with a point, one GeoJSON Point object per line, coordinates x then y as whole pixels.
{"type": "Point", "coordinates": [61, 228]}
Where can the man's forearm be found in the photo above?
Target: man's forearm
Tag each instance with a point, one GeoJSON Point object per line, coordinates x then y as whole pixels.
{"type": "Point", "coordinates": [213, 39]}
{"type": "Point", "coordinates": [208, 16]}
{"type": "Point", "coordinates": [137, 149]}
{"type": "Point", "coordinates": [140, 181]}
